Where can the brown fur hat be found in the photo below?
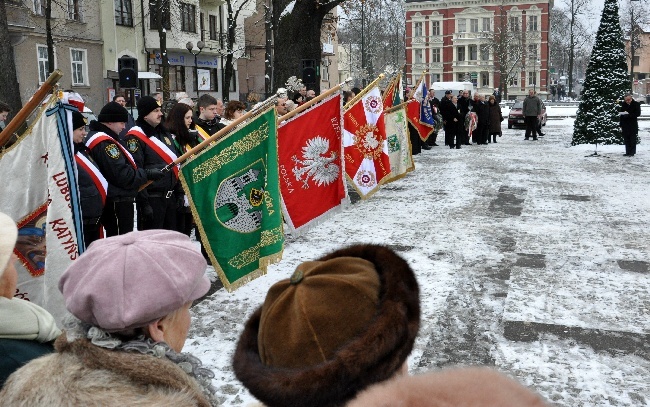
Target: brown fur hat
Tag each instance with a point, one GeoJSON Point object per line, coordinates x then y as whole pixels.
{"type": "Point", "coordinates": [371, 356]}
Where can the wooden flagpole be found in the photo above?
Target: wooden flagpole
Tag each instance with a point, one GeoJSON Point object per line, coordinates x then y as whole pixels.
{"type": "Point", "coordinates": [315, 100]}
{"type": "Point", "coordinates": [30, 106]}
{"type": "Point", "coordinates": [363, 92]}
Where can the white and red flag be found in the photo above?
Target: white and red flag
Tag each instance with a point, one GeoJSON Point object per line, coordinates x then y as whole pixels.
{"type": "Point", "coordinates": [367, 163]}
{"type": "Point", "coordinates": [311, 165]}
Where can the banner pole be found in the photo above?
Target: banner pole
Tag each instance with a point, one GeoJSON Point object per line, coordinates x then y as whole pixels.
{"type": "Point", "coordinates": [30, 106]}
{"type": "Point", "coordinates": [364, 91]}
{"type": "Point", "coordinates": [315, 100]}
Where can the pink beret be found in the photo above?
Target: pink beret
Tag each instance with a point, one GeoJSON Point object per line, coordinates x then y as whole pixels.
{"type": "Point", "coordinates": [125, 282]}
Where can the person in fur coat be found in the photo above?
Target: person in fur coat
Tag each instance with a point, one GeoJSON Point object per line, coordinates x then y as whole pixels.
{"type": "Point", "coordinates": [129, 297]}
{"type": "Point", "coordinates": [466, 387]}
{"type": "Point", "coordinates": [340, 324]}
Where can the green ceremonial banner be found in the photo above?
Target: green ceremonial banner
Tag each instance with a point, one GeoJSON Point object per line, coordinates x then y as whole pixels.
{"type": "Point", "coordinates": [233, 189]}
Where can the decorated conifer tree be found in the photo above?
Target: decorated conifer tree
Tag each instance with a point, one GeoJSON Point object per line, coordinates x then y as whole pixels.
{"type": "Point", "coordinates": [606, 82]}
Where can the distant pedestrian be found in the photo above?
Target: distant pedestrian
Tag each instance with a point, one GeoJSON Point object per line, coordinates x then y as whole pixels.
{"type": "Point", "coordinates": [630, 110]}
{"type": "Point", "coordinates": [480, 107]}
{"type": "Point", "coordinates": [532, 111]}
{"type": "Point", "coordinates": [495, 119]}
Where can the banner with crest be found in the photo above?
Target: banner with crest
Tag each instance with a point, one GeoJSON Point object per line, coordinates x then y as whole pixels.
{"type": "Point", "coordinates": [311, 165]}
{"type": "Point", "coordinates": [41, 196]}
{"type": "Point", "coordinates": [399, 143]}
{"type": "Point", "coordinates": [233, 189]}
{"type": "Point", "coordinates": [367, 164]}
{"type": "Point", "coordinates": [419, 111]}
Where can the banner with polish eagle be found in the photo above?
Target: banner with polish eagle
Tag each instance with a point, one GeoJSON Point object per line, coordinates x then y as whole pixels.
{"type": "Point", "coordinates": [311, 165]}
{"type": "Point", "coordinates": [367, 162]}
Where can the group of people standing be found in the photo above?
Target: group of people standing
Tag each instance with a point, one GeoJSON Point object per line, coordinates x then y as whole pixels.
{"type": "Point", "coordinates": [470, 120]}
{"type": "Point", "coordinates": [119, 166]}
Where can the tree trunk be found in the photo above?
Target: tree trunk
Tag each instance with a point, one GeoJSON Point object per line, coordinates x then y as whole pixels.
{"type": "Point", "coordinates": [303, 23]}
{"type": "Point", "coordinates": [162, 37]}
{"type": "Point", "coordinates": [49, 40]}
{"type": "Point", "coordinates": [9, 89]}
{"type": "Point", "coordinates": [230, 42]}
{"type": "Point", "coordinates": [268, 51]}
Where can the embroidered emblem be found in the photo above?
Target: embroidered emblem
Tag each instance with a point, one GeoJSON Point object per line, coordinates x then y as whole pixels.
{"type": "Point", "coordinates": [238, 199]}
{"type": "Point", "coordinates": [316, 163]}
{"type": "Point", "coordinates": [132, 145]}
{"type": "Point", "coordinates": [167, 141]}
{"type": "Point", "coordinates": [256, 197]}
{"type": "Point", "coordinates": [373, 104]}
{"type": "Point", "coordinates": [368, 140]}
{"type": "Point", "coordinates": [366, 179]}
{"type": "Point", "coordinates": [112, 151]}
{"type": "Point", "coordinates": [393, 143]}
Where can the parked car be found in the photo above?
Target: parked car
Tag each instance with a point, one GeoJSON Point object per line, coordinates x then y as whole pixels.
{"type": "Point", "coordinates": [516, 115]}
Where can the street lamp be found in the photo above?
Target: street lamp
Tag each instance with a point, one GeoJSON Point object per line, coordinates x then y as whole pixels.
{"type": "Point", "coordinates": [190, 47]}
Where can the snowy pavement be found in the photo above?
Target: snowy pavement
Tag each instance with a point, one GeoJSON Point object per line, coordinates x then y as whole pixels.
{"type": "Point", "coordinates": [532, 256]}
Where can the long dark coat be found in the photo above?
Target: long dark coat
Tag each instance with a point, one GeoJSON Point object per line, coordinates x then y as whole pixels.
{"type": "Point", "coordinates": [495, 118]}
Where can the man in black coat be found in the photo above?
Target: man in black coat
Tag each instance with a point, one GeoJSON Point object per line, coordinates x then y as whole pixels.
{"type": "Point", "coordinates": [116, 164]}
{"type": "Point", "coordinates": [630, 110]}
{"type": "Point", "coordinates": [153, 148]}
{"type": "Point", "coordinates": [448, 112]}
{"type": "Point", "coordinates": [464, 105]}
{"type": "Point", "coordinates": [434, 102]}
{"type": "Point", "coordinates": [482, 110]}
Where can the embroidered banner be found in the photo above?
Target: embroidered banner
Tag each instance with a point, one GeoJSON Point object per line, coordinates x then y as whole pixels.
{"type": "Point", "coordinates": [233, 190]}
{"type": "Point", "coordinates": [39, 171]}
{"type": "Point", "coordinates": [399, 144]}
{"type": "Point", "coordinates": [311, 165]}
{"type": "Point", "coordinates": [364, 144]}
{"type": "Point", "coordinates": [417, 109]}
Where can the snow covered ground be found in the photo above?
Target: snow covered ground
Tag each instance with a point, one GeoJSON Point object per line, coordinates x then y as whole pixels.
{"type": "Point", "coordinates": [532, 256]}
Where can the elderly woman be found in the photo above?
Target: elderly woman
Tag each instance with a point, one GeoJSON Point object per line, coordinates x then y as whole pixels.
{"type": "Point", "coordinates": [130, 297]}
{"type": "Point", "coordinates": [26, 330]}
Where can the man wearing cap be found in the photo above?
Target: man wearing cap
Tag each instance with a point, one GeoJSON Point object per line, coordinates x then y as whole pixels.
{"type": "Point", "coordinates": [448, 112]}
{"type": "Point", "coordinates": [117, 166]}
{"type": "Point", "coordinates": [153, 148]}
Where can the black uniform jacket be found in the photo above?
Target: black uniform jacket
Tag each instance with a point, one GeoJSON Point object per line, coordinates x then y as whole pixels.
{"type": "Point", "coordinates": [92, 203]}
{"type": "Point", "coordinates": [123, 179]}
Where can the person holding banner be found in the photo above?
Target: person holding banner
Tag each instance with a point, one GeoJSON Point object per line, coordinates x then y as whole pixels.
{"type": "Point", "coordinates": [152, 147]}
{"type": "Point", "coordinates": [117, 166]}
{"type": "Point", "coordinates": [92, 184]}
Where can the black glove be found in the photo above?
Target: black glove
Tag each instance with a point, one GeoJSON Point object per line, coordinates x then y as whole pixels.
{"type": "Point", "coordinates": [154, 174]}
{"type": "Point", "coordinates": [146, 211]}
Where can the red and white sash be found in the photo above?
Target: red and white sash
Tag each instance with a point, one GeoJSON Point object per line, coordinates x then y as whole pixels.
{"type": "Point", "coordinates": [156, 145]}
{"type": "Point", "coordinates": [99, 137]}
{"type": "Point", "coordinates": [92, 170]}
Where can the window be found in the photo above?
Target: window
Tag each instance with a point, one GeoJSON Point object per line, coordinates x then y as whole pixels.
{"type": "Point", "coordinates": [486, 24]}
{"type": "Point", "coordinates": [514, 24]}
{"type": "Point", "coordinates": [233, 81]}
{"type": "Point", "coordinates": [124, 13]}
{"type": "Point", "coordinates": [435, 28]}
{"type": "Point", "coordinates": [74, 10]}
{"type": "Point", "coordinates": [473, 52]}
{"type": "Point", "coordinates": [417, 29]}
{"type": "Point", "coordinates": [462, 25]}
{"type": "Point", "coordinates": [636, 60]}
{"type": "Point", "coordinates": [39, 7]}
{"type": "Point", "coordinates": [435, 55]}
{"type": "Point", "coordinates": [532, 78]}
{"type": "Point", "coordinates": [460, 53]}
{"type": "Point", "coordinates": [473, 25]}
{"type": "Point", "coordinates": [532, 51]}
{"type": "Point", "coordinates": [514, 81]}
{"type": "Point", "coordinates": [164, 14]}
{"type": "Point", "coordinates": [188, 17]}
{"type": "Point", "coordinates": [42, 58]}
{"type": "Point", "coordinates": [485, 52]}
{"type": "Point", "coordinates": [176, 77]}
{"type": "Point", "coordinates": [485, 79]}
{"type": "Point", "coordinates": [462, 77]}
{"type": "Point", "coordinates": [417, 56]}
{"type": "Point", "coordinates": [213, 27]}
{"type": "Point", "coordinates": [214, 79]}
{"type": "Point", "coordinates": [532, 23]}
{"type": "Point", "coordinates": [202, 26]}
{"type": "Point", "coordinates": [79, 69]}
{"type": "Point", "coordinates": [435, 77]}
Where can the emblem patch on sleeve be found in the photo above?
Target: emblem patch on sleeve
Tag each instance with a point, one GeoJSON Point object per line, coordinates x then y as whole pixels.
{"type": "Point", "coordinates": [112, 151]}
{"type": "Point", "coordinates": [132, 145]}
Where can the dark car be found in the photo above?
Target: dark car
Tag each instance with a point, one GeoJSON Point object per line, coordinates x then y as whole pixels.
{"type": "Point", "coordinates": [516, 116]}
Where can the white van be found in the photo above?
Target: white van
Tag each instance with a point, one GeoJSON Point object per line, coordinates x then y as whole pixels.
{"type": "Point", "coordinates": [455, 87]}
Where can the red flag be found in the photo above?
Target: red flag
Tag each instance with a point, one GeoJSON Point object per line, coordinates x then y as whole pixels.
{"type": "Point", "coordinates": [311, 165]}
{"type": "Point", "coordinates": [414, 111]}
{"type": "Point", "coordinates": [367, 163]}
{"type": "Point", "coordinates": [389, 95]}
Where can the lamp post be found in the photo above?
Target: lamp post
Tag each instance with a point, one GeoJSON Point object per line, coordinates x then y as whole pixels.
{"type": "Point", "coordinates": [190, 48]}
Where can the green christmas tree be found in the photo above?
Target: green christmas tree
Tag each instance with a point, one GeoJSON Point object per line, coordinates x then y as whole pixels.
{"type": "Point", "coordinates": [607, 80]}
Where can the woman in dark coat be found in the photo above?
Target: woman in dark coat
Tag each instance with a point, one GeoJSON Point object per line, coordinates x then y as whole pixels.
{"type": "Point", "coordinates": [495, 119]}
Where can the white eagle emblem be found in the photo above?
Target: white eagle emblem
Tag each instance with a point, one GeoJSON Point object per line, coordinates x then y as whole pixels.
{"type": "Point", "coordinates": [316, 164]}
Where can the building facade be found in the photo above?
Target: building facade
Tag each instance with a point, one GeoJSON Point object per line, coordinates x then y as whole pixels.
{"type": "Point", "coordinates": [492, 43]}
{"type": "Point", "coordinates": [640, 60]}
{"type": "Point", "coordinates": [77, 46]}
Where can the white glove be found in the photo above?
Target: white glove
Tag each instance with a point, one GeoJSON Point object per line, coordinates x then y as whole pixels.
{"type": "Point", "coordinates": [623, 113]}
